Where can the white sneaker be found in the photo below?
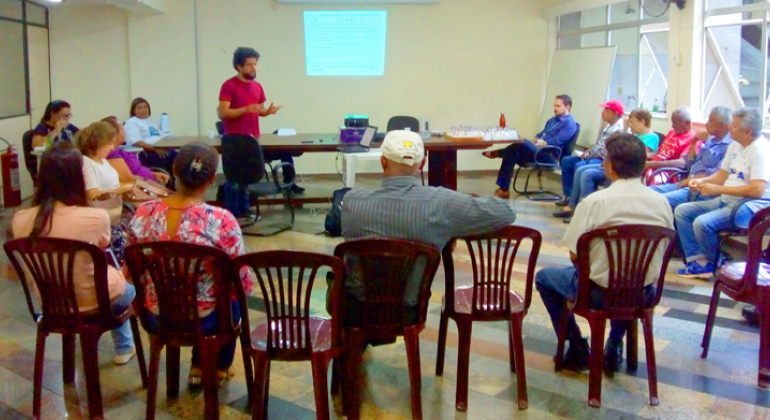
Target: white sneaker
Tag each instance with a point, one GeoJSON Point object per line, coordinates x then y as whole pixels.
{"type": "Point", "coordinates": [122, 359]}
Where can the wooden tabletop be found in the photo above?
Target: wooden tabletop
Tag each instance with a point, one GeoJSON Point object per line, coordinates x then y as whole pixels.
{"type": "Point", "coordinates": [324, 143]}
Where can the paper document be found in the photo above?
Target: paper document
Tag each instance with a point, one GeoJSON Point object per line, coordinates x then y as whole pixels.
{"type": "Point", "coordinates": [287, 132]}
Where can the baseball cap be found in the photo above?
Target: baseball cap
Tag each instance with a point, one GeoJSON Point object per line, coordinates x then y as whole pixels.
{"type": "Point", "coordinates": [403, 147]}
{"type": "Point", "coordinates": [614, 105]}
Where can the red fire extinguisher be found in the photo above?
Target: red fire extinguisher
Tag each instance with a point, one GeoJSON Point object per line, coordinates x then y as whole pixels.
{"type": "Point", "coordinates": [9, 166]}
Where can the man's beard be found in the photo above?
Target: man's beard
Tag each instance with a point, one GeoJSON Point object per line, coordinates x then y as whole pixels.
{"type": "Point", "coordinates": [250, 76]}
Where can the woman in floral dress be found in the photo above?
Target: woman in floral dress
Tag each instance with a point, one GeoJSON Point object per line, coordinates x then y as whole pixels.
{"type": "Point", "coordinates": [185, 217]}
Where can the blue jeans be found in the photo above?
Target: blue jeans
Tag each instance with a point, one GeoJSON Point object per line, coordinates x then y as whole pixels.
{"type": "Point", "coordinates": [237, 199]}
{"type": "Point", "coordinates": [676, 195]}
{"type": "Point", "coordinates": [588, 178]}
{"type": "Point", "coordinates": [558, 285]}
{"type": "Point", "coordinates": [698, 223]}
{"type": "Point", "coordinates": [513, 155]}
{"type": "Point", "coordinates": [569, 165]}
{"type": "Point", "coordinates": [122, 337]}
{"type": "Point", "coordinates": [209, 325]}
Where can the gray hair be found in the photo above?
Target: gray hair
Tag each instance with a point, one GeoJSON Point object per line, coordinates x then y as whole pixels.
{"type": "Point", "coordinates": [723, 114]}
{"type": "Point", "coordinates": [683, 112]}
{"type": "Point", "coordinates": [751, 119]}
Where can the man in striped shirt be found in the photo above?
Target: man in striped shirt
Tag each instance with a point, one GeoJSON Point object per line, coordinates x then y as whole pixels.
{"type": "Point", "coordinates": [402, 208]}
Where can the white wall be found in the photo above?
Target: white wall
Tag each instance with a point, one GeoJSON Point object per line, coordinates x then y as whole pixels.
{"type": "Point", "coordinates": [89, 61]}
{"type": "Point", "coordinates": [455, 62]}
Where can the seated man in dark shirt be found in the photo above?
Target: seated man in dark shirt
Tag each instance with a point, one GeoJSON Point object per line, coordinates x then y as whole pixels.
{"type": "Point", "coordinates": [558, 132]}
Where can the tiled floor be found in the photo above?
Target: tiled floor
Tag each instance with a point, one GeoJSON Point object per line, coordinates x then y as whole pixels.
{"type": "Point", "coordinates": [721, 387]}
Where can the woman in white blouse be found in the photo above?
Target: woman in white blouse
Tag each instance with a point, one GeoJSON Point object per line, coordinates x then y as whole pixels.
{"type": "Point", "coordinates": [141, 131]}
{"type": "Point", "coordinates": [103, 187]}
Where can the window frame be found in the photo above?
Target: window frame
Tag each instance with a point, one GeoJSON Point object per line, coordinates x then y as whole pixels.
{"type": "Point", "coordinates": [646, 25]}
{"type": "Point", "coordinates": [25, 47]}
{"type": "Point", "coordinates": [708, 38]}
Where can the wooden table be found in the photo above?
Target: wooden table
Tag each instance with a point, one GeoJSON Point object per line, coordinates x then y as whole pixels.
{"type": "Point", "coordinates": [442, 153]}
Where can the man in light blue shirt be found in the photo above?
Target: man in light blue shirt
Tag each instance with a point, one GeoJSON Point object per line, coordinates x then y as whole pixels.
{"type": "Point", "coordinates": [706, 162]}
{"type": "Point", "coordinates": [558, 131]}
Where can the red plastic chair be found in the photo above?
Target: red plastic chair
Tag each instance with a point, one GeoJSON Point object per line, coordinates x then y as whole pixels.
{"type": "Point", "coordinates": [490, 298]}
{"type": "Point", "coordinates": [384, 267]}
{"type": "Point", "coordinates": [175, 268]}
{"type": "Point", "coordinates": [49, 263]}
{"type": "Point", "coordinates": [630, 249]}
{"type": "Point", "coordinates": [290, 333]}
{"type": "Point", "coordinates": [747, 282]}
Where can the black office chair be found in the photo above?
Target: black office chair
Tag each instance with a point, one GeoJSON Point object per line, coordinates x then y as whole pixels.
{"type": "Point", "coordinates": [244, 164]}
{"type": "Point", "coordinates": [546, 159]}
{"type": "Point", "coordinates": [403, 122]}
{"type": "Point", "coordinates": [30, 160]}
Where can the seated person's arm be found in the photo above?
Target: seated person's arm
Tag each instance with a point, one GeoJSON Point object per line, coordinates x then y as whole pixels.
{"type": "Point", "coordinates": [655, 164]}
{"type": "Point", "coordinates": [124, 173]}
{"type": "Point", "coordinates": [559, 135]}
{"type": "Point", "coordinates": [471, 215]}
{"type": "Point", "coordinates": [755, 189]}
{"type": "Point", "coordinates": [134, 137]}
{"type": "Point", "coordinates": [573, 258]}
{"type": "Point", "coordinates": [38, 140]}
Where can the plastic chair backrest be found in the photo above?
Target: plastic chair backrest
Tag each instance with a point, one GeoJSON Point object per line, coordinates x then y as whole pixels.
{"type": "Point", "coordinates": [630, 250]}
{"type": "Point", "coordinates": [242, 159]}
{"type": "Point", "coordinates": [175, 271]}
{"type": "Point", "coordinates": [385, 267]}
{"type": "Point", "coordinates": [758, 227]}
{"type": "Point", "coordinates": [286, 280]}
{"type": "Point", "coordinates": [492, 258]}
{"type": "Point", "coordinates": [49, 262]}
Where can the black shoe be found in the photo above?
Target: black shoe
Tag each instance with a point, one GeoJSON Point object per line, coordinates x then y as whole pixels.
{"type": "Point", "coordinates": [578, 356]}
{"type": "Point", "coordinates": [562, 214]}
{"type": "Point", "coordinates": [613, 355]}
{"type": "Point", "coordinates": [563, 201]}
{"type": "Point", "coordinates": [567, 220]}
{"type": "Point", "coordinates": [750, 313]}
{"type": "Point", "coordinates": [296, 189]}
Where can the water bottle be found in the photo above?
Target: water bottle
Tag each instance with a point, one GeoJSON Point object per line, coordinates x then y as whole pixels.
{"type": "Point", "coordinates": [502, 120]}
{"type": "Point", "coordinates": [164, 128]}
{"type": "Point", "coordinates": [655, 107]}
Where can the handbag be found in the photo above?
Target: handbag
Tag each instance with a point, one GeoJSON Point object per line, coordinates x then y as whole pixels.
{"type": "Point", "coordinates": [144, 190]}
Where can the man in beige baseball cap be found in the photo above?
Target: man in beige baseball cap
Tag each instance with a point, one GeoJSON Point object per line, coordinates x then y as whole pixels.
{"type": "Point", "coordinates": [403, 153]}
{"type": "Point", "coordinates": [403, 208]}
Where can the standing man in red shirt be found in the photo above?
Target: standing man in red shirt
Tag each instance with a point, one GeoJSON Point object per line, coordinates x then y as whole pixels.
{"type": "Point", "coordinates": [241, 103]}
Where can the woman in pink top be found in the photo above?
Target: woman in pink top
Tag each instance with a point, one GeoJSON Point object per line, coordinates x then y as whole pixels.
{"type": "Point", "coordinates": [61, 210]}
{"type": "Point", "coordinates": [185, 217]}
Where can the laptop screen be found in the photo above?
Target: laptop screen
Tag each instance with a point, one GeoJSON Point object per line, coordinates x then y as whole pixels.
{"type": "Point", "coordinates": [366, 140]}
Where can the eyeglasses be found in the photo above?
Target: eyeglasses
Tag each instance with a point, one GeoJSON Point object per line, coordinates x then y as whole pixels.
{"type": "Point", "coordinates": [66, 116]}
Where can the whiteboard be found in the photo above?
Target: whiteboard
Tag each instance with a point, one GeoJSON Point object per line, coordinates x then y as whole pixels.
{"type": "Point", "coordinates": [583, 74]}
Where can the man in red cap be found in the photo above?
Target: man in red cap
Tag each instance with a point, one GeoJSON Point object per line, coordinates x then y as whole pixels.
{"type": "Point", "coordinates": [612, 114]}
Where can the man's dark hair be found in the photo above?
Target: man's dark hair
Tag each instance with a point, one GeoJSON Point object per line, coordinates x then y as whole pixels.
{"type": "Point", "coordinates": [627, 153]}
{"type": "Point", "coordinates": [565, 99]}
{"type": "Point", "coordinates": [241, 54]}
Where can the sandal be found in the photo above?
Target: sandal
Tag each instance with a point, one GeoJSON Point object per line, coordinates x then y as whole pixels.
{"type": "Point", "coordinates": [196, 376]}
{"type": "Point", "coordinates": [224, 375]}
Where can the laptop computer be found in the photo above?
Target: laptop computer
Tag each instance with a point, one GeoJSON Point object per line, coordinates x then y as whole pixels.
{"type": "Point", "coordinates": [363, 146]}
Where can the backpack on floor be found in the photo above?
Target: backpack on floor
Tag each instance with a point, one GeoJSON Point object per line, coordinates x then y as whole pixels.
{"type": "Point", "coordinates": [333, 222]}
